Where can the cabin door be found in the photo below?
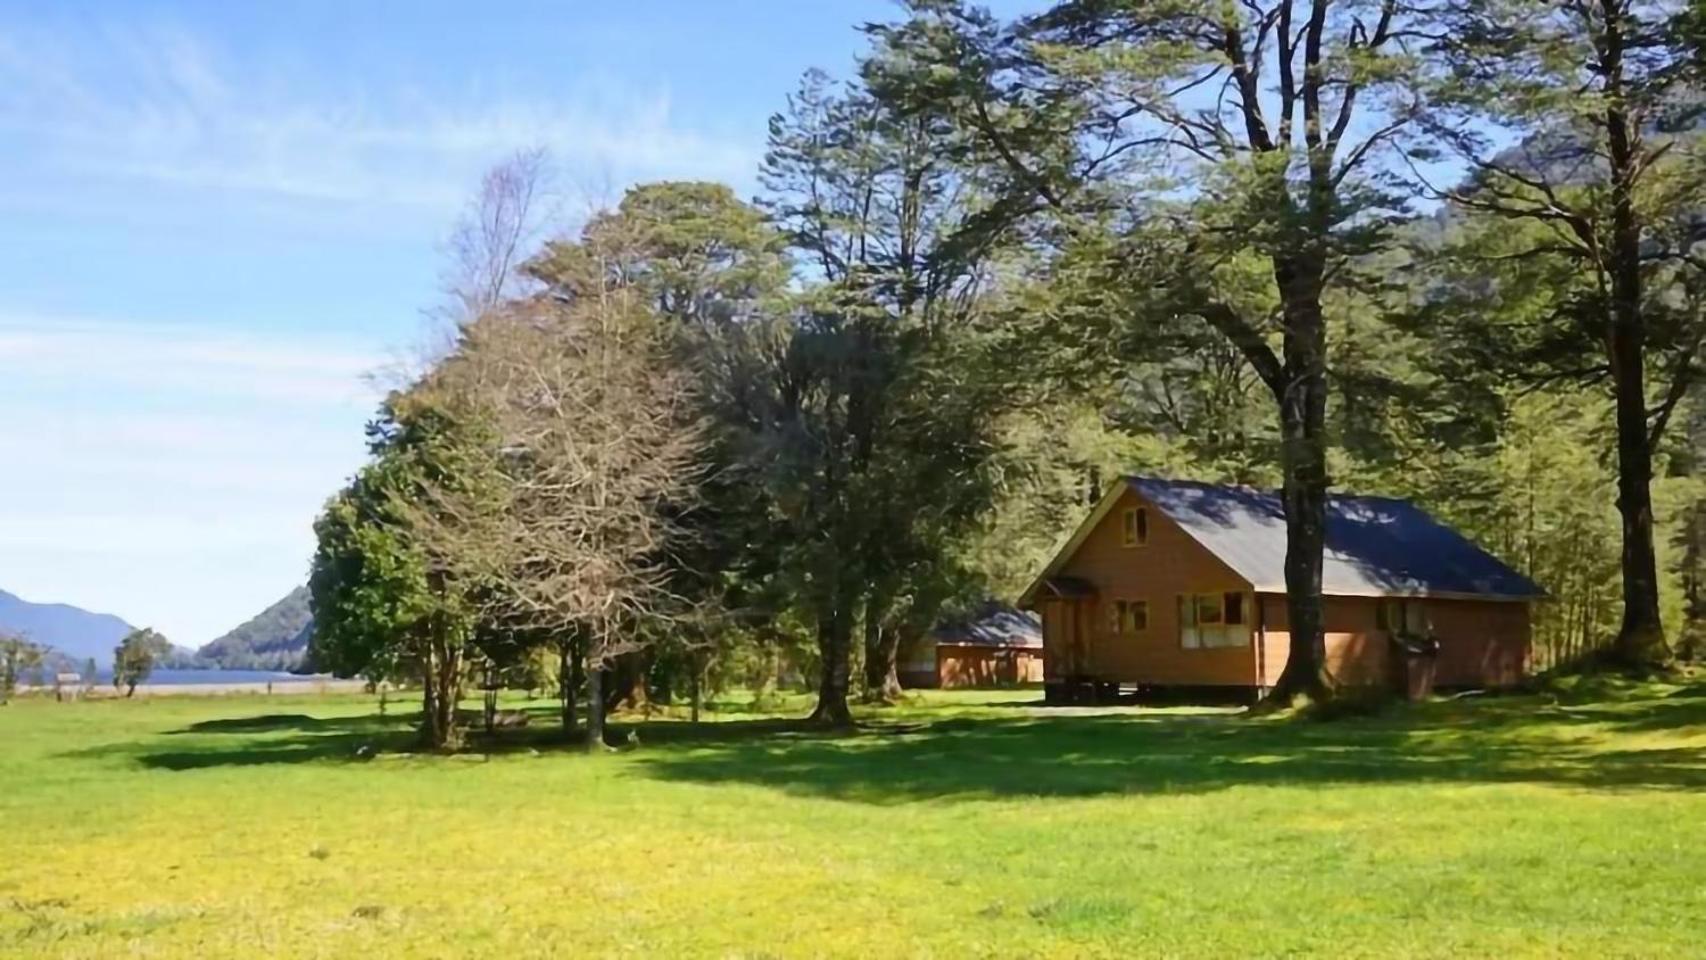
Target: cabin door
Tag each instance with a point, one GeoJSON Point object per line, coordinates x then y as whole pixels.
{"type": "Point", "coordinates": [1066, 639]}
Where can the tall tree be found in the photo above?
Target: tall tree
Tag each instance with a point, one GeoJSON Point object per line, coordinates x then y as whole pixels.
{"type": "Point", "coordinates": [135, 656]}
{"type": "Point", "coordinates": [16, 655]}
{"type": "Point", "coordinates": [592, 449]}
{"type": "Point", "coordinates": [496, 235]}
{"type": "Point", "coordinates": [881, 433]}
{"type": "Point", "coordinates": [1215, 138]}
{"type": "Point", "coordinates": [693, 250]}
{"type": "Point", "coordinates": [1605, 163]}
{"type": "Point", "coordinates": [713, 270]}
{"type": "Point", "coordinates": [381, 606]}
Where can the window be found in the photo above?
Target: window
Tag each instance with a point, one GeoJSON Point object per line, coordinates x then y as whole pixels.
{"type": "Point", "coordinates": [1189, 637]}
{"type": "Point", "coordinates": [1135, 617]}
{"type": "Point", "coordinates": [1234, 609]}
{"type": "Point", "coordinates": [1208, 620]}
{"type": "Point", "coordinates": [1136, 527]}
{"type": "Point", "coordinates": [1128, 616]}
{"type": "Point", "coordinates": [1210, 610]}
{"type": "Point", "coordinates": [1402, 616]}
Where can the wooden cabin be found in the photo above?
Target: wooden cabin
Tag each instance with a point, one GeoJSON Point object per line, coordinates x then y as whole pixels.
{"type": "Point", "coordinates": [995, 645]}
{"type": "Point", "coordinates": [1170, 586]}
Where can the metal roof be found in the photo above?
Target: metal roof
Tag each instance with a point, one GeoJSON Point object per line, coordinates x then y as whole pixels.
{"type": "Point", "coordinates": [1376, 546]}
{"type": "Point", "coordinates": [993, 624]}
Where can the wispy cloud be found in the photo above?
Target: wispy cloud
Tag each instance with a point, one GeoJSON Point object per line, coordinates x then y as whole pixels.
{"type": "Point", "coordinates": [151, 462]}
{"type": "Point", "coordinates": [161, 105]}
{"type": "Point", "coordinates": [209, 361]}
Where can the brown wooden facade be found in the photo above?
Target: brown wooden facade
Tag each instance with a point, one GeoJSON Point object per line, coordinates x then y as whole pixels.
{"type": "Point", "coordinates": [1139, 602]}
{"type": "Point", "coordinates": [959, 665]}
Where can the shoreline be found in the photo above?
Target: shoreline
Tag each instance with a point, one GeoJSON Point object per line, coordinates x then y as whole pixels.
{"type": "Point", "coordinates": [106, 691]}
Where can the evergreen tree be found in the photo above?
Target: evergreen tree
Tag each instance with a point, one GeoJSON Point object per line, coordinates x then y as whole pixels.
{"type": "Point", "coordinates": [1241, 156]}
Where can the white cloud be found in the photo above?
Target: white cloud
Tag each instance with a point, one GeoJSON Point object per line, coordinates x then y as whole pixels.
{"type": "Point", "coordinates": [161, 105]}
{"type": "Point", "coordinates": [258, 366]}
{"type": "Point", "coordinates": [170, 473]}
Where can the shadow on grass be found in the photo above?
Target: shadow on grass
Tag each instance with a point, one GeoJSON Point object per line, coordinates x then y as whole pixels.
{"type": "Point", "coordinates": [277, 721]}
{"type": "Point", "coordinates": [1483, 740]}
{"type": "Point", "coordinates": [1593, 740]}
{"type": "Point", "coordinates": [260, 740]}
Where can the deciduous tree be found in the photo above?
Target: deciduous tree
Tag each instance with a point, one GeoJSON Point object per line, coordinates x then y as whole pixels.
{"type": "Point", "coordinates": [135, 656]}
{"type": "Point", "coordinates": [16, 655]}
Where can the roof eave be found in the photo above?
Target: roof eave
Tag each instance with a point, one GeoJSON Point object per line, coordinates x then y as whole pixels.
{"type": "Point", "coordinates": [1418, 594]}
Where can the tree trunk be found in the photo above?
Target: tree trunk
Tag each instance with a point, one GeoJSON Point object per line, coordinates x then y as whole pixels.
{"type": "Point", "coordinates": [595, 708]}
{"type": "Point", "coordinates": [429, 711]}
{"type": "Point", "coordinates": [442, 694]}
{"type": "Point", "coordinates": [625, 683]}
{"type": "Point", "coordinates": [698, 687]}
{"type": "Point", "coordinates": [882, 655]}
{"type": "Point", "coordinates": [490, 701]}
{"type": "Point", "coordinates": [771, 679]}
{"type": "Point", "coordinates": [835, 647]}
{"type": "Point", "coordinates": [1302, 396]}
{"type": "Point", "coordinates": [568, 681]}
{"type": "Point", "coordinates": [1641, 640]}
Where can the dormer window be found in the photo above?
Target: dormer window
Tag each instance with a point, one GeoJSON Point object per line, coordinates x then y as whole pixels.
{"type": "Point", "coordinates": [1136, 526]}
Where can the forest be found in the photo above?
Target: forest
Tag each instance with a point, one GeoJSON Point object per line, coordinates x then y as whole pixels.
{"type": "Point", "coordinates": [683, 441]}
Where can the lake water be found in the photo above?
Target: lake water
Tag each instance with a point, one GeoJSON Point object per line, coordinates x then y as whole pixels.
{"type": "Point", "coordinates": [175, 678]}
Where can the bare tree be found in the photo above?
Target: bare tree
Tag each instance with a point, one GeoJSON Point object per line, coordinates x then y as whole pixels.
{"type": "Point", "coordinates": [589, 432]}
{"type": "Point", "coordinates": [496, 234]}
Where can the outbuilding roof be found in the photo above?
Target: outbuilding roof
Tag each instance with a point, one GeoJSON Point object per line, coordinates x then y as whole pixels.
{"type": "Point", "coordinates": [993, 624]}
{"type": "Point", "coordinates": [1376, 546]}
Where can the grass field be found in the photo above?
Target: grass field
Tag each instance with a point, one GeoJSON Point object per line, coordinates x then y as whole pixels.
{"type": "Point", "coordinates": [1569, 824]}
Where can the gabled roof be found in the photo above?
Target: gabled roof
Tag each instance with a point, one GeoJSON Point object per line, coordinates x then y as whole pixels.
{"type": "Point", "coordinates": [1376, 546]}
{"type": "Point", "coordinates": [993, 624]}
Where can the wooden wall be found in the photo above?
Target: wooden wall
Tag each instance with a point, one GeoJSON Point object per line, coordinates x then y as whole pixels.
{"type": "Point", "coordinates": [1169, 564]}
{"type": "Point", "coordinates": [1483, 642]}
{"type": "Point", "coordinates": [973, 666]}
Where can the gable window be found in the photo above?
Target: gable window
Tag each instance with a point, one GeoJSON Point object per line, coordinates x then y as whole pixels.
{"type": "Point", "coordinates": [1210, 620]}
{"type": "Point", "coordinates": [1128, 616]}
{"type": "Point", "coordinates": [1136, 527]}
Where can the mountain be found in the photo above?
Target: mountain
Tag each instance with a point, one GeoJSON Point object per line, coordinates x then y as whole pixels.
{"type": "Point", "coordinates": [274, 639]}
{"type": "Point", "coordinates": [73, 632]}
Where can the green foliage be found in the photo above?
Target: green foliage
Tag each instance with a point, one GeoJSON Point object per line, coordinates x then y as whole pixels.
{"type": "Point", "coordinates": [135, 657]}
{"type": "Point", "coordinates": [16, 656]}
{"type": "Point", "coordinates": [870, 416]}
{"type": "Point", "coordinates": [274, 639]}
{"type": "Point", "coordinates": [703, 257]}
{"type": "Point", "coordinates": [382, 608]}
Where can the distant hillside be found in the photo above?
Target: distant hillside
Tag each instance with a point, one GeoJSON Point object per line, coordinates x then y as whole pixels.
{"type": "Point", "coordinates": [274, 639]}
{"type": "Point", "coordinates": [75, 633]}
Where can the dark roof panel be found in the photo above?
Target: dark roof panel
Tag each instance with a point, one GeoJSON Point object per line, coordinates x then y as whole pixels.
{"type": "Point", "coordinates": [994, 625]}
{"type": "Point", "coordinates": [1376, 546]}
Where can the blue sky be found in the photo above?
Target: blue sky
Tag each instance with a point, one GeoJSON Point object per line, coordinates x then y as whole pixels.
{"type": "Point", "coordinates": [219, 220]}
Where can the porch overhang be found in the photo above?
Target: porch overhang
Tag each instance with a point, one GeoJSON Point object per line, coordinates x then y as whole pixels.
{"type": "Point", "coordinates": [1066, 588]}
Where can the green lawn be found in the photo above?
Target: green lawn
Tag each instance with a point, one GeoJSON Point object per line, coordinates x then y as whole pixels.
{"type": "Point", "coordinates": [968, 825]}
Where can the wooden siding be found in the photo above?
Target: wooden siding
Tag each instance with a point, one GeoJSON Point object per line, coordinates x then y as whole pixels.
{"type": "Point", "coordinates": [1483, 643]}
{"type": "Point", "coordinates": [1171, 563]}
{"type": "Point", "coordinates": [1356, 651]}
{"type": "Point", "coordinates": [974, 666]}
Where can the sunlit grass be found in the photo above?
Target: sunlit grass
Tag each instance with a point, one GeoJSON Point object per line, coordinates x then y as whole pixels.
{"type": "Point", "coordinates": [1571, 823]}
